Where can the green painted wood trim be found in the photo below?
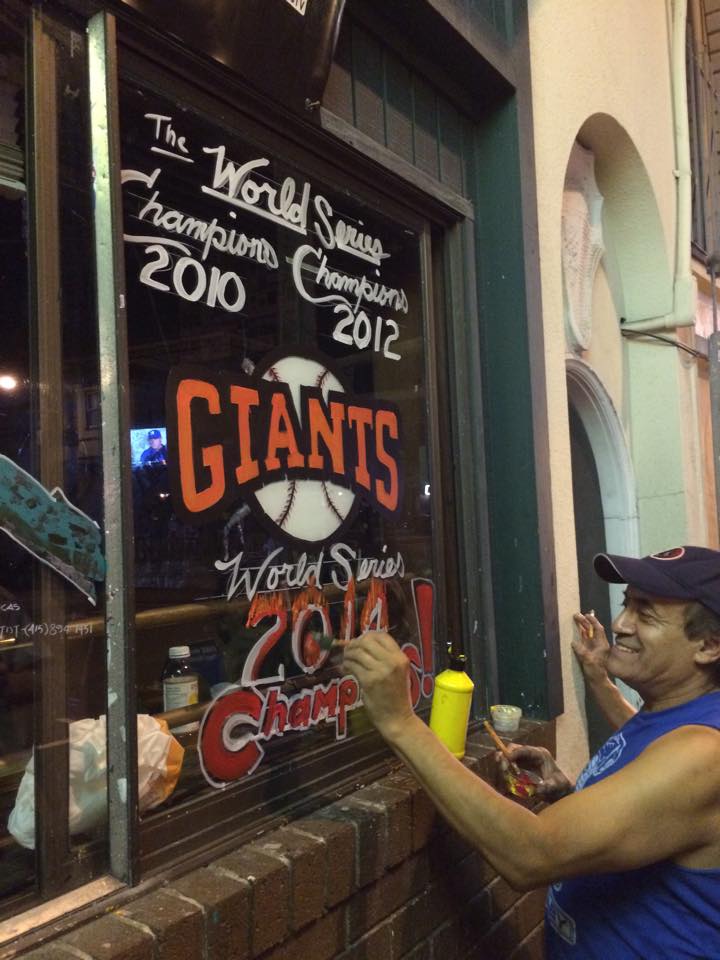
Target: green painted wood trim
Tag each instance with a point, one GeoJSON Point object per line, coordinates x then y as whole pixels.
{"type": "Point", "coordinates": [470, 493]}
{"type": "Point", "coordinates": [507, 401]}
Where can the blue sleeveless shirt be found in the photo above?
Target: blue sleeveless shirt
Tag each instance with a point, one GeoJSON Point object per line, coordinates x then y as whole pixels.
{"type": "Point", "coordinates": [659, 912]}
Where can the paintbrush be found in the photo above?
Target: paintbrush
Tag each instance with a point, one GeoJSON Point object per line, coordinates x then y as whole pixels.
{"type": "Point", "coordinates": [521, 783]}
{"type": "Point", "coordinates": [502, 748]}
{"type": "Point", "coordinates": [326, 642]}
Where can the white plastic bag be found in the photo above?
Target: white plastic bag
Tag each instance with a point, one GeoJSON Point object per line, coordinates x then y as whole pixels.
{"type": "Point", "coordinates": [159, 762]}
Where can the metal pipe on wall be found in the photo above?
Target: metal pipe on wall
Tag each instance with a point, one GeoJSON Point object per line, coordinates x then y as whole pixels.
{"type": "Point", "coordinates": [713, 262]}
{"type": "Point", "coordinates": [683, 312]}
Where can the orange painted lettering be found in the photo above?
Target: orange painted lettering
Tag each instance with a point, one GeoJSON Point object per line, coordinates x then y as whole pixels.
{"type": "Point", "coordinates": [331, 434]}
{"type": "Point", "coordinates": [245, 398]}
{"type": "Point", "coordinates": [281, 436]}
{"type": "Point", "coordinates": [361, 417]}
{"type": "Point", "coordinates": [196, 500]}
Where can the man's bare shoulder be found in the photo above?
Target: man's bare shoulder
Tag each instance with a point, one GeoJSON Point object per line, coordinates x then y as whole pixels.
{"type": "Point", "coordinates": [690, 759]}
{"type": "Point", "coordinates": [679, 771]}
{"type": "Point", "coordinates": [661, 805]}
{"type": "Point", "coordinates": [691, 751]}
{"type": "Point", "coordinates": [691, 736]}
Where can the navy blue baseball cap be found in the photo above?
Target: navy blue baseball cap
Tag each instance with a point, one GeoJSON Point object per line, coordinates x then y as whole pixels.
{"type": "Point", "coordinates": [154, 435]}
{"type": "Point", "coordinates": [682, 573]}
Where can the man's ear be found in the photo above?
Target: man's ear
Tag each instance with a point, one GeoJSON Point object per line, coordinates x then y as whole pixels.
{"type": "Point", "coordinates": [708, 652]}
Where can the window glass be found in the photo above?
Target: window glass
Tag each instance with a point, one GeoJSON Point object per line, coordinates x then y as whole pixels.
{"type": "Point", "coordinates": [279, 440]}
{"type": "Point", "coordinates": [16, 650]}
{"type": "Point", "coordinates": [52, 680]}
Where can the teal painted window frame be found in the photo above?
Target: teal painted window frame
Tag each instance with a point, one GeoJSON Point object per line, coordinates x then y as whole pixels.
{"type": "Point", "coordinates": [503, 512]}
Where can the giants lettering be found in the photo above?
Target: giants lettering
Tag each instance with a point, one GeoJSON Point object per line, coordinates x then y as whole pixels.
{"type": "Point", "coordinates": [197, 500]}
{"type": "Point", "coordinates": [233, 434]}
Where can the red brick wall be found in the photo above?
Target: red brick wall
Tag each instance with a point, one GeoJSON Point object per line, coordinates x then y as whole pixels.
{"type": "Point", "coordinates": [374, 876]}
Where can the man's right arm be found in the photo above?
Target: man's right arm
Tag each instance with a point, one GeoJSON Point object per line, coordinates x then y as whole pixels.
{"type": "Point", "coordinates": [662, 805]}
{"type": "Point", "coordinates": [592, 648]}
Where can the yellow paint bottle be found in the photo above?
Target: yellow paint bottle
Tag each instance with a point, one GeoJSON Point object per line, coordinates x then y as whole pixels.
{"type": "Point", "coordinates": [450, 710]}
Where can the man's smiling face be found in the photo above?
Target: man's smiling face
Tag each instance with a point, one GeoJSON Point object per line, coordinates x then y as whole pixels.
{"type": "Point", "coordinates": [651, 646]}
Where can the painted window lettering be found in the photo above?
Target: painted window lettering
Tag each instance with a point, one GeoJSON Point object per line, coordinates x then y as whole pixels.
{"type": "Point", "coordinates": [276, 336]}
{"type": "Point", "coordinates": [256, 195]}
{"type": "Point", "coordinates": [210, 233]}
{"type": "Point", "coordinates": [178, 244]}
{"type": "Point", "coordinates": [191, 281]}
{"type": "Point", "coordinates": [283, 442]}
{"type": "Point", "coordinates": [173, 144]}
{"type": "Point", "coordinates": [170, 266]}
{"type": "Point", "coordinates": [336, 234]}
{"type": "Point", "coordinates": [354, 327]}
{"type": "Point", "coordinates": [239, 720]}
{"type": "Point", "coordinates": [269, 576]}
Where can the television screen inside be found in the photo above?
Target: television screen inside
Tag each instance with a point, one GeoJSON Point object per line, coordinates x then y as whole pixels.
{"type": "Point", "coordinates": [148, 446]}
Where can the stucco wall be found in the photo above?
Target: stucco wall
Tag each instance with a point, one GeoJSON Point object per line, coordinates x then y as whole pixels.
{"type": "Point", "coordinates": [606, 347]}
{"type": "Point", "coordinates": [609, 61]}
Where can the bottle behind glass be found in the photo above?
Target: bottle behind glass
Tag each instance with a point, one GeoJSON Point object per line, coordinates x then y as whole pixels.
{"type": "Point", "coordinates": [180, 685]}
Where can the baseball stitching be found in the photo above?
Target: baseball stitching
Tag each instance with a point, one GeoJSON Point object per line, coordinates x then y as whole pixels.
{"type": "Point", "coordinates": [282, 519]}
{"type": "Point", "coordinates": [320, 382]}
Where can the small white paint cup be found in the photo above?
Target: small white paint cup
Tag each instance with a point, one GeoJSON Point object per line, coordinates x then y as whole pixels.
{"type": "Point", "coordinates": [505, 717]}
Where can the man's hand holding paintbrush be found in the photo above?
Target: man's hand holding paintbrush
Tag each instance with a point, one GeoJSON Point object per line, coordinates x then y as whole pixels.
{"type": "Point", "coordinates": [378, 662]}
{"type": "Point", "coordinates": [530, 771]}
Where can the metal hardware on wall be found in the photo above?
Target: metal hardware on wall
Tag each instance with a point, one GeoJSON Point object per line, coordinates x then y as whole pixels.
{"type": "Point", "coordinates": [112, 340]}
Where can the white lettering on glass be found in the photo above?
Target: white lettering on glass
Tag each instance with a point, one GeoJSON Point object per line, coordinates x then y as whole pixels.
{"type": "Point", "coordinates": [299, 5]}
{"type": "Point", "coordinates": [273, 574]}
{"type": "Point", "coordinates": [259, 196]}
{"type": "Point", "coordinates": [173, 145]}
{"type": "Point", "coordinates": [338, 235]}
{"type": "Point", "coordinates": [354, 327]}
{"type": "Point", "coordinates": [177, 254]}
{"type": "Point", "coordinates": [191, 282]}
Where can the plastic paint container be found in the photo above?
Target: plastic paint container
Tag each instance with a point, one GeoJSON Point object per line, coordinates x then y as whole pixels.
{"type": "Point", "coordinates": [505, 717]}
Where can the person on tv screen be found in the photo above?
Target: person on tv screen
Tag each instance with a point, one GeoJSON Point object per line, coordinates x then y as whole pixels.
{"type": "Point", "coordinates": [156, 451]}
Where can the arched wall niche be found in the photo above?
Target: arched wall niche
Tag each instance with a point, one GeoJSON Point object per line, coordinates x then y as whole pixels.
{"type": "Point", "coordinates": [607, 438]}
{"type": "Point", "coordinates": [636, 258]}
{"type": "Point", "coordinates": [594, 406]}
